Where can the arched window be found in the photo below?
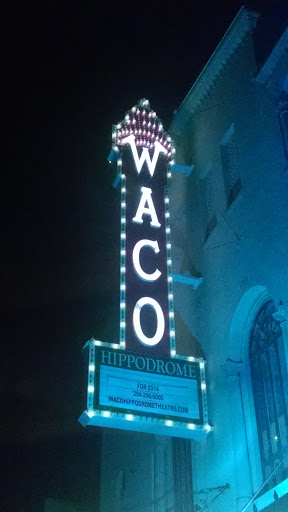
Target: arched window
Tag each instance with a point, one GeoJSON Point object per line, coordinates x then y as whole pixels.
{"type": "Point", "coordinates": [269, 384]}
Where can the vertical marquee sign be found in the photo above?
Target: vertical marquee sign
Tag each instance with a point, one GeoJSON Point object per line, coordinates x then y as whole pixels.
{"type": "Point", "coordinates": [141, 383]}
{"type": "Point", "coordinates": [147, 314]}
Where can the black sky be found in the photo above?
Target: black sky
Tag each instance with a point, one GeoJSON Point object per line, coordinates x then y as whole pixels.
{"type": "Point", "coordinates": [69, 73]}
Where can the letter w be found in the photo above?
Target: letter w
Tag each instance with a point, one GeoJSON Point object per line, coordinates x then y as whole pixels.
{"type": "Point", "coordinates": [145, 154]}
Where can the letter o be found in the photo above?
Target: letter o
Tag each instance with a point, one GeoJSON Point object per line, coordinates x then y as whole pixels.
{"type": "Point", "coordinates": [148, 301]}
{"type": "Point", "coordinates": [137, 364]}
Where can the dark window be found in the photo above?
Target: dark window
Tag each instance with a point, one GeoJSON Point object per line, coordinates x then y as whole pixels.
{"type": "Point", "coordinates": [209, 201]}
{"type": "Point", "coordinates": [283, 119]}
{"type": "Point", "coordinates": [269, 380]}
{"type": "Point", "coordinates": [230, 163]}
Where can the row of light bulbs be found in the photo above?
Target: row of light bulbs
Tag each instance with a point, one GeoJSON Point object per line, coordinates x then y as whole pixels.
{"type": "Point", "coordinates": [138, 120]}
{"type": "Point", "coordinates": [166, 422]}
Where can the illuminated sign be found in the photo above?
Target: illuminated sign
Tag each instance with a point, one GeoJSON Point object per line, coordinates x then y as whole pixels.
{"type": "Point", "coordinates": [147, 394]}
{"type": "Point", "coordinates": [145, 156]}
{"type": "Point", "coordinates": [151, 385]}
{"type": "Point", "coordinates": [140, 383]}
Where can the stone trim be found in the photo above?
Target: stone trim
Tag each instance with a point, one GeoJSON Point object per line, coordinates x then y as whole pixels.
{"type": "Point", "coordinates": [279, 314]}
{"type": "Point", "coordinates": [232, 368]}
{"type": "Point", "coordinates": [244, 22]}
{"type": "Point", "coordinates": [265, 75]}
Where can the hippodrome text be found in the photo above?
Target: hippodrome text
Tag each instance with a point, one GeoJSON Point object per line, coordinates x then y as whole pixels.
{"type": "Point", "coordinates": [147, 364]}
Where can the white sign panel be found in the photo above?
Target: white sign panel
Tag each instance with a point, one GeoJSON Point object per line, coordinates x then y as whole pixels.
{"type": "Point", "coordinates": [149, 392]}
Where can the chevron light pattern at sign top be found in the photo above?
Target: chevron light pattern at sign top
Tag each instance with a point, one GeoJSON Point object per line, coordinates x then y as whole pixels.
{"type": "Point", "coordinates": [143, 123]}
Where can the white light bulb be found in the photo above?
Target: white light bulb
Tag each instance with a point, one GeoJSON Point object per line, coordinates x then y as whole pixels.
{"type": "Point", "coordinates": [170, 279]}
{"type": "Point", "coordinates": [123, 236]}
{"type": "Point", "coordinates": [169, 246]}
{"type": "Point", "coordinates": [90, 388]}
{"type": "Point", "coordinates": [122, 325]}
{"type": "Point", "coordinates": [122, 305]}
{"type": "Point", "coordinates": [92, 367]}
{"type": "Point", "coordinates": [122, 287]}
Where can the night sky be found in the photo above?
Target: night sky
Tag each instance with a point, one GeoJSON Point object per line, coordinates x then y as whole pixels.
{"type": "Point", "coordinates": [68, 75]}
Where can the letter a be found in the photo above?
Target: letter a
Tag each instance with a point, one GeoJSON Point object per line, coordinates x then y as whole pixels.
{"type": "Point", "coordinates": [142, 210]}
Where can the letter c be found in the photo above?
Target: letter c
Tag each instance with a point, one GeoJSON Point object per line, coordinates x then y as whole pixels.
{"type": "Point", "coordinates": [136, 253]}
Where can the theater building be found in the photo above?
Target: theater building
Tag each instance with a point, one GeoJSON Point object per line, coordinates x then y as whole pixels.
{"type": "Point", "coordinates": [229, 231]}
